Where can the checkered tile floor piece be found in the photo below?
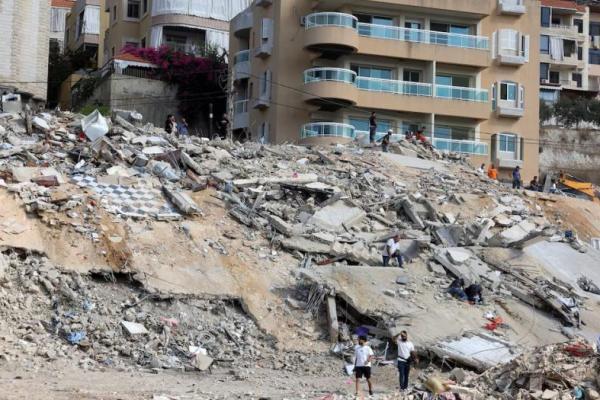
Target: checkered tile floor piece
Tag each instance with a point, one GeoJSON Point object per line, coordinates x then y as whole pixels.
{"type": "Point", "coordinates": [142, 200]}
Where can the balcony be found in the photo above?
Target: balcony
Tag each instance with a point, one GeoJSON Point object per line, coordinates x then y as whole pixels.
{"type": "Point", "coordinates": [331, 32]}
{"type": "Point", "coordinates": [330, 88]}
{"type": "Point", "coordinates": [187, 48]}
{"type": "Point", "coordinates": [506, 57]}
{"type": "Point", "coordinates": [461, 146]}
{"type": "Point", "coordinates": [326, 132]}
{"type": "Point", "coordinates": [262, 102]}
{"type": "Point", "coordinates": [509, 110]}
{"type": "Point", "coordinates": [395, 87]}
{"type": "Point", "coordinates": [241, 65]}
{"type": "Point", "coordinates": [423, 36]}
{"type": "Point", "coordinates": [461, 93]}
{"type": "Point", "coordinates": [242, 23]}
{"type": "Point", "coordinates": [264, 50]}
{"type": "Point", "coordinates": [241, 116]}
{"type": "Point", "coordinates": [512, 7]}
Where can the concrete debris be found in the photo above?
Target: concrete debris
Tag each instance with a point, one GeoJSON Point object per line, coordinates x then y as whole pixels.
{"type": "Point", "coordinates": [133, 328]}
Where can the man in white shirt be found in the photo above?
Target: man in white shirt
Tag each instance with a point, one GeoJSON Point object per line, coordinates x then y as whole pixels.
{"type": "Point", "coordinates": [406, 355]}
{"type": "Point", "coordinates": [363, 355]}
{"type": "Point", "coordinates": [392, 249]}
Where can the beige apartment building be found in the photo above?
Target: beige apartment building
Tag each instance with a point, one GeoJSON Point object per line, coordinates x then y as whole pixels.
{"type": "Point", "coordinates": [312, 71]}
{"type": "Point", "coordinates": [85, 26]}
{"type": "Point", "coordinates": [24, 46]}
{"type": "Point", "coordinates": [185, 25]}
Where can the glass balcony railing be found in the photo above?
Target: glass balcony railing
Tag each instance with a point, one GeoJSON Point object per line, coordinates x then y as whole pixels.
{"type": "Point", "coordinates": [327, 129]}
{"type": "Point", "coordinates": [461, 93]}
{"type": "Point", "coordinates": [331, 19]}
{"type": "Point", "coordinates": [329, 74]}
{"type": "Point", "coordinates": [461, 146]}
{"type": "Point", "coordinates": [393, 86]}
{"type": "Point", "coordinates": [240, 107]}
{"type": "Point", "coordinates": [423, 36]}
{"type": "Point", "coordinates": [241, 56]}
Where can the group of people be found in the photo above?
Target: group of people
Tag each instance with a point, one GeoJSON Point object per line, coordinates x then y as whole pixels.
{"type": "Point", "coordinates": [417, 137]}
{"type": "Point", "coordinates": [364, 357]}
{"type": "Point", "coordinates": [492, 173]}
{"type": "Point", "coordinates": [182, 129]}
{"type": "Point", "coordinates": [472, 293]}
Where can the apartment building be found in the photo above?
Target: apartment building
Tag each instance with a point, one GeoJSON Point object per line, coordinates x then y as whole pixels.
{"type": "Point", "coordinates": [185, 25]}
{"type": "Point", "coordinates": [312, 72]}
{"type": "Point", "coordinates": [564, 48]}
{"type": "Point", "coordinates": [58, 15]}
{"type": "Point", "coordinates": [85, 27]}
{"type": "Point", "coordinates": [24, 46]}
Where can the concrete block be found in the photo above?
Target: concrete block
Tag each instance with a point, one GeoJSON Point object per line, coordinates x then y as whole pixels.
{"type": "Point", "coordinates": [458, 255]}
{"type": "Point", "coordinates": [133, 328]}
{"type": "Point", "coordinates": [337, 216]}
{"type": "Point", "coordinates": [332, 320]}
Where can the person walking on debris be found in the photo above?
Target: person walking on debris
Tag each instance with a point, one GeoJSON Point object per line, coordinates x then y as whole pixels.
{"type": "Point", "coordinates": [363, 356]}
{"type": "Point", "coordinates": [372, 127]}
{"type": "Point", "coordinates": [492, 172]}
{"type": "Point", "coordinates": [385, 142]}
{"type": "Point", "coordinates": [516, 175]}
{"type": "Point", "coordinates": [406, 355]}
{"type": "Point", "coordinates": [170, 124]}
{"type": "Point", "coordinates": [457, 289]}
{"type": "Point", "coordinates": [473, 293]}
{"type": "Point", "coordinates": [392, 249]}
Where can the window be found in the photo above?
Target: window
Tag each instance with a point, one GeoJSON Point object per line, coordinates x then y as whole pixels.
{"type": "Point", "coordinates": [579, 24]}
{"type": "Point", "coordinates": [362, 124]}
{"type": "Point", "coordinates": [453, 80]}
{"type": "Point", "coordinates": [577, 78]}
{"type": "Point", "coordinates": [546, 13]}
{"type": "Point", "coordinates": [544, 71]}
{"type": "Point", "coordinates": [375, 20]}
{"type": "Point", "coordinates": [144, 6]}
{"type": "Point", "coordinates": [594, 28]}
{"type": "Point", "coordinates": [114, 13]}
{"type": "Point", "coordinates": [509, 41]}
{"type": "Point", "coordinates": [113, 52]}
{"type": "Point", "coordinates": [372, 72]}
{"type": "Point", "coordinates": [81, 24]}
{"type": "Point", "coordinates": [454, 132]}
{"type": "Point", "coordinates": [508, 91]}
{"type": "Point", "coordinates": [545, 44]}
{"type": "Point", "coordinates": [556, 20]}
{"type": "Point", "coordinates": [507, 143]}
{"type": "Point", "coordinates": [66, 36]}
{"type": "Point", "coordinates": [594, 57]}
{"type": "Point", "coordinates": [411, 76]}
{"type": "Point", "coordinates": [143, 43]}
{"type": "Point", "coordinates": [133, 9]}
{"type": "Point", "coordinates": [554, 77]}
{"type": "Point", "coordinates": [580, 53]}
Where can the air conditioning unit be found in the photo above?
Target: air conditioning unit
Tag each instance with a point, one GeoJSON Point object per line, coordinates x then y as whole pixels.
{"type": "Point", "coordinates": [545, 81]}
{"type": "Point", "coordinates": [303, 21]}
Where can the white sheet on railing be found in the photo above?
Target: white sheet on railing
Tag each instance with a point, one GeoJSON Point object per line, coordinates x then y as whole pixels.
{"type": "Point", "coordinates": [91, 19]}
{"type": "Point", "coordinates": [57, 19]}
{"type": "Point", "coordinates": [218, 38]}
{"type": "Point", "coordinates": [223, 10]}
{"type": "Point", "coordinates": [556, 49]}
{"type": "Point", "coordinates": [156, 35]}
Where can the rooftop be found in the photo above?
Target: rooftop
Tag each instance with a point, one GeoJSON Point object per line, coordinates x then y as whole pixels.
{"type": "Point", "coordinates": [563, 4]}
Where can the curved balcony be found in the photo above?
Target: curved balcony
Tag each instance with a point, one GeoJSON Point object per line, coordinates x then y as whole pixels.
{"type": "Point", "coordinates": [241, 65]}
{"type": "Point", "coordinates": [332, 33]}
{"type": "Point", "coordinates": [330, 88]}
{"type": "Point", "coordinates": [326, 133]}
{"type": "Point", "coordinates": [242, 23]}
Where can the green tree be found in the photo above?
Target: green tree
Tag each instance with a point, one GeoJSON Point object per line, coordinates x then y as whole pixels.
{"type": "Point", "coordinates": [546, 111]}
{"type": "Point", "coordinates": [571, 112]}
{"type": "Point", "coordinates": [61, 66]}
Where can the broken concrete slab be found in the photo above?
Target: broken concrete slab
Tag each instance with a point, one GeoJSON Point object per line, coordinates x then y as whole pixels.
{"type": "Point", "coordinates": [337, 217]}
{"type": "Point", "coordinates": [305, 245]}
{"type": "Point", "coordinates": [476, 350]}
{"type": "Point", "coordinates": [413, 162]}
{"type": "Point", "coordinates": [133, 328]}
{"type": "Point", "coordinates": [458, 255]}
{"type": "Point", "coordinates": [522, 231]}
{"type": "Point", "coordinates": [182, 201]}
{"type": "Point", "coordinates": [297, 179]}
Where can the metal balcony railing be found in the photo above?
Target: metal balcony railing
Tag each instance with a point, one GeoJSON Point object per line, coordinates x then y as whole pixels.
{"type": "Point", "coordinates": [331, 19]}
{"type": "Point", "coordinates": [461, 93]}
{"type": "Point", "coordinates": [327, 129]}
{"type": "Point", "coordinates": [329, 74]}
{"type": "Point", "coordinates": [240, 107]}
{"type": "Point", "coordinates": [394, 86]}
{"type": "Point", "coordinates": [461, 146]}
{"type": "Point", "coordinates": [241, 56]}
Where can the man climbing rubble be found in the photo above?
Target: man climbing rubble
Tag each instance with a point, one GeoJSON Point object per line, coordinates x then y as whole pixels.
{"type": "Point", "coordinates": [406, 356]}
{"type": "Point", "coordinates": [392, 250]}
{"type": "Point", "coordinates": [457, 289]}
{"type": "Point", "coordinates": [474, 293]}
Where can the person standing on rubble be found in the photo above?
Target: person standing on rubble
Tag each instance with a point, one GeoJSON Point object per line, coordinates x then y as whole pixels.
{"type": "Point", "coordinates": [406, 356]}
{"type": "Point", "coordinates": [516, 175]}
{"type": "Point", "coordinates": [481, 170]}
{"type": "Point", "coordinates": [372, 127]}
{"type": "Point", "coordinates": [363, 356]}
{"type": "Point", "coordinates": [170, 124]}
{"type": "Point", "coordinates": [392, 249]}
{"type": "Point", "coordinates": [492, 172]}
{"type": "Point", "coordinates": [183, 129]}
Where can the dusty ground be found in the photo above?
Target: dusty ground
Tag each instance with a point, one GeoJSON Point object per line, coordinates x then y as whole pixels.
{"type": "Point", "coordinates": [580, 215]}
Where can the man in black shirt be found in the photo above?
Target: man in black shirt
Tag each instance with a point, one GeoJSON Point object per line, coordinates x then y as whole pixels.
{"type": "Point", "coordinates": [372, 127]}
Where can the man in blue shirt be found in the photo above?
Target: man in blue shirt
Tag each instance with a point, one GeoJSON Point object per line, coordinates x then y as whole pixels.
{"type": "Point", "coordinates": [516, 175]}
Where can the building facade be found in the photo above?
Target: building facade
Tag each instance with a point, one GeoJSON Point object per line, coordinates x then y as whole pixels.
{"type": "Point", "coordinates": [185, 25]}
{"type": "Point", "coordinates": [312, 72]}
{"type": "Point", "coordinates": [58, 16]}
{"type": "Point", "coordinates": [85, 26]}
{"type": "Point", "coordinates": [24, 46]}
